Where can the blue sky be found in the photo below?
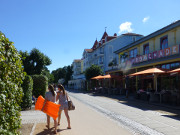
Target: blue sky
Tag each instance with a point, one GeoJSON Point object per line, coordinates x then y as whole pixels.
{"type": "Point", "coordinates": [63, 29]}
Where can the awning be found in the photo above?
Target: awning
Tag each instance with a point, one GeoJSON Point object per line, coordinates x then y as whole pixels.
{"type": "Point", "coordinates": [148, 71]}
{"type": "Point", "coordinates": [175, 70]}
{"type": "Point", "coordinates": [110, 76]}
{"type": "Point", "coordinates": [98, 77]}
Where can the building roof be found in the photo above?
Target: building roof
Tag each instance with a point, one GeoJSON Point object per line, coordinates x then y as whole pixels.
{"type": "Point", "coordinates": [104, 35]}
{"type": "Point", "coordinates": [105, 38]}
{"type": "Point", "coordinates": [111, 37]}
{"type": "Point", "coordinates": [88, 50]}
{"type": "Point", "coordinates": [94, 46]}
{"type": "Point", "coordinates": [132, 34]}
{"type": "Point", "coordinates": [152, 35]}
{"type": "Point", "coordinates": [77, 60]}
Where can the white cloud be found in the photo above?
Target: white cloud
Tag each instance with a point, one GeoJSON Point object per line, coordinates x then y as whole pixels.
{"type": "Point", "coordinates": [125, 27]}
{"type": "Point", "coordinates": [145, 19]}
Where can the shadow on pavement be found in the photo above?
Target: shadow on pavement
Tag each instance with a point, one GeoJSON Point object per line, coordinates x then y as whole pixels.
{"type": "Point", "coordinates": [164, 110]}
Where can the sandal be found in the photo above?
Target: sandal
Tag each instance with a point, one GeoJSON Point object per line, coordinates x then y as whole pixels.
{"type": "Point", "coordinates": [68, 127]}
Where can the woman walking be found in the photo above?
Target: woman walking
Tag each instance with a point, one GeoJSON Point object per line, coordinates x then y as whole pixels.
{"type": "Point", "coordinates": [63, 101]}
{"type": "Point", "coordinates": [50, 96]}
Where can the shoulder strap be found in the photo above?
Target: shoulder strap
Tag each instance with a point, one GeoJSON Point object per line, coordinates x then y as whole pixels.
{"type": "Point", "coordinates": [68, 96]}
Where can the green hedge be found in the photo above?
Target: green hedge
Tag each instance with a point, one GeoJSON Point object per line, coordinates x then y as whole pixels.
{"type": "Point", "coordinates": [27, 89]}
{"type": "Point", "coordinates": [11, 78]}
{"type": "Point", "coordinates": [40, 84]}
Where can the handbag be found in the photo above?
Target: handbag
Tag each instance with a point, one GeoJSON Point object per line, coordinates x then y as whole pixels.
{"type": "Point", "coordinates": [71, 106]}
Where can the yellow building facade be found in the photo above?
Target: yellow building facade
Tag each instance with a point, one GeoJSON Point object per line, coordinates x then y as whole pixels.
{"type": "Point", "coordinates": [160, 49]}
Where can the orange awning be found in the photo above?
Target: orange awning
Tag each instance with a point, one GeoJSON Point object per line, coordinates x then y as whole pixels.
{"type": "Point", "coordinates": [98, 77]}
{"type": "Point", "coordinates": [175, 70]}
{"type": "Point", "coordinates": [148, 71]}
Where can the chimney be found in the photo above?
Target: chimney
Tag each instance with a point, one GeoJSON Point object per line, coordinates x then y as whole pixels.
{"type": "Point", "coordinates": [115, 34]}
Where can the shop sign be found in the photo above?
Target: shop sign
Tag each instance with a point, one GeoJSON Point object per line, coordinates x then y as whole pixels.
{"type": "Point", "coordinates": [160, 53]}
{"type": "Point", "coordinates": [175, 49]}
{"type": "Point", "coordinates": [140, 58]}
{"type": "Point", "coordinates": [145, 58]}
{"type": "Point", "coordinates": [150, 56]}
{"type": "Point", "coordinates": [167, 51]}
{"type": "Point", "coordinates": [157, 54]}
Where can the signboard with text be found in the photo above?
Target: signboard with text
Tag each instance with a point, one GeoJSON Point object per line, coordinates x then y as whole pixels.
{"type": "Point", "coordinates": [156, 54]}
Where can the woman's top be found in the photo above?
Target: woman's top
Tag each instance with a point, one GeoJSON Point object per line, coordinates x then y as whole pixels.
{"type": "Point", "coordinates": [63, 101]}
{"type": "Point", "coordinates": [49, 96]}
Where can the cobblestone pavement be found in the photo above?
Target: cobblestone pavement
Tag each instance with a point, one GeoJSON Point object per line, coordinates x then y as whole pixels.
{"type": "Point", "coordinates": [136, 120]}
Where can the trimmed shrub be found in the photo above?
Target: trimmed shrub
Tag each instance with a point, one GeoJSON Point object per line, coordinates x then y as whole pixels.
{"type": "Point", "coordinates": [40, 84]}
{"type": "Point", "coordinates": [11, 78]}
{"type": "Point", "coordinates": [27, 89]}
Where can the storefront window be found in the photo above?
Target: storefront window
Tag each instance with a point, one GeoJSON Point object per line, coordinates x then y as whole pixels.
{"type": "Point", "coordinates": [177, 65]}
{"type": "Point", "coordinates": [170, 66]}
{"type": "Point", "coordinates": [163, 66]}
{"type": "Point", "coordinates": [167, 66]}
{"type": "Point", "coordinates": [164, 42]}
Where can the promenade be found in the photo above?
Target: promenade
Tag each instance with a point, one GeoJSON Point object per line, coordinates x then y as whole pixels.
{"type": "Point", "coordinates": [108, 116]}
{"type": "Point", "coordinates": [84, 121]}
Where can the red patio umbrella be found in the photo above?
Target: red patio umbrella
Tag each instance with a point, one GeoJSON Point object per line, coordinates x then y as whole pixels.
{"type": "Point", "coordinates": [175, 70]}
{"type": "Point", "coordinates": [148, 71]}
{"type": "Point", "coordinates": [98, 77]}
{"type": "Point", "coordinates": [154, 71]}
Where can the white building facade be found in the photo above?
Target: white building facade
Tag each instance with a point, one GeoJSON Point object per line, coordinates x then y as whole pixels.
{"type": "Point", "coordinates": [115, 44]}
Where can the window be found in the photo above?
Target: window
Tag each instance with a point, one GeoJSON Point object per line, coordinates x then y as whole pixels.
{"type": "Point", "coordinates": [171, 66]}
{"type": "Point", "coordinates": [146, 49]}
{"type": "Point", "coordinates": [133, 53]}
{"type": "Point", "coordinates": [133, 39]}
{"type": "Point", "coordinates": [123, 57]}
{"type": "Point", "coordinates": [164, 42]}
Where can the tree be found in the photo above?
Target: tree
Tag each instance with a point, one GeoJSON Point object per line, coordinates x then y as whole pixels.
{"type": "Point", "coordinates": [47, 73]}
{"type": "Point", "coordinates": [69, 73]}
{"type": "Point", "coordinates": [59, 74]}
{"type": "Point", "coordinates": [62, 73]}
{"type": "Point", "coordinates": [93, 71]}
{"type": "Point", "coordinates": [35, 61]}
{"type": "Point", "coordinates": [11, 93]}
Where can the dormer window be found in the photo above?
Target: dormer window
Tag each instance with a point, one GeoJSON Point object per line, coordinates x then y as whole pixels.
{"type": "Point", "coordinates": [133, 39]}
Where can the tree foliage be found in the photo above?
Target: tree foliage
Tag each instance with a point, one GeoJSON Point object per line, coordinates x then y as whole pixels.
{"type": "Point", "coordinates": [69, 73]}
{"type": "Point", "coordinates": [11, 78]}
{"type": "Point", "coordinates": [47, 73]}
{"type": "Point", "coordinates": [27, 90]}
{"type": "Point", "coordinates": [62, 73]}
{"type": "Point", "coordinates": [93, 71]}
{"type": "Point", "coordinates": [35, 61]}
{"type": "Point", "coordinates": [40, 84]}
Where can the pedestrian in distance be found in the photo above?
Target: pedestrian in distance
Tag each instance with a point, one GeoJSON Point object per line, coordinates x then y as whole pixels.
{"type": "Point", "coordinates": [50, 96]}
{"type": "Point", "coordinates": [63, 101]}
